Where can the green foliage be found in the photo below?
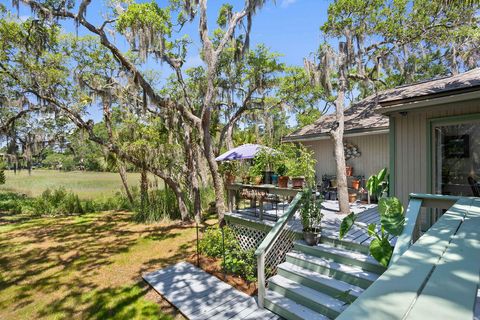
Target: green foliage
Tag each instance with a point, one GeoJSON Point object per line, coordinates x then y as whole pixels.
{"type": "Point", "coordinates": [230, 167]}
{"type": "Point", "coordinates": [237, 261]}
{"type": "Point", "coordinates": [392, 222]}
{"type": "Point", "coordinates": [149, 15]}
{"type": "Point", "coordinates": [224, 14]}
{"type": "Point", "coordinates": [301, 162]}
{"type": "Point", "coordinates": [311, 210]}
{"type": "Point", "coordinates": [162, 204]}
{"type": "Point", "coordinates": [242, 263]}
{"type": "Point", "coordinates": [57, 202]}
{"type": "Point", "coordinates": [265, 160]}
{"type": "Point", "coordinates": [2, 176]}
{"type": "Point", "coordinates": [377, 184]}
{"type": "Point", "coordinates": [282, 169]}
{"type": "Point", "coordinates": [211, 242]}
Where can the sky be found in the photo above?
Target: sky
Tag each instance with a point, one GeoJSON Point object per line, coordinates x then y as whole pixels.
{"type": "Point", "coordinates": [288, 27]}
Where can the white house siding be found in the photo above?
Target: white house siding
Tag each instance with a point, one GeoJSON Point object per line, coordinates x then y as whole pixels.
{"type": "Point", "coordinates": [374, 150]}
{"type": "Point", "coordinates": [411, 154]}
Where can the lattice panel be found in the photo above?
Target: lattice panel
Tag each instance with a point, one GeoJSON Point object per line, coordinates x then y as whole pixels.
{"type": "Point", "coordinates": [247, 237]}
{"type": "Point", "coordinates": [277, 253]}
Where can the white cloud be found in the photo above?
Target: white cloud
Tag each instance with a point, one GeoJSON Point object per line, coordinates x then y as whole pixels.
{"type": "Point", "coordinates": [286, 3]}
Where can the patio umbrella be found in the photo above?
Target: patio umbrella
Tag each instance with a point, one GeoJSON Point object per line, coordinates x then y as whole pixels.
{"type": "Point", "coordinates": [246, 151]}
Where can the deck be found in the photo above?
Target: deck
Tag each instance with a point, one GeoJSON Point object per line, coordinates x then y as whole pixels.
{"type": "Point", "coordinates": [330, 223]}
{"type": "Point", "coordinates": [199, 295]}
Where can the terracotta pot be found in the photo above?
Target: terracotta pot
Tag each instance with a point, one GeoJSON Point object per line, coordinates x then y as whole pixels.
{"type": "Point", "coordinates": [311, 237]}
{"type": "Point", "coordinates": [283, 181]}
{"type": "Point", "coordinates": [352, 197]}
{"type": "Point", "coordinates": [297, 183]}
{"type": "Point", "coordinates": [229, 178]}
{"type": "Point", "coordinates": [348, 171]}
{"type": "Point", "coordinates": [258, 180]}
{"type": "Point", "coordinates": [356, 184]}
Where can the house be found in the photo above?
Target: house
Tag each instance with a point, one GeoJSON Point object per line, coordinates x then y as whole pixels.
{"type": "Point", "coordinates": [427, 134]}
{"type": "Point", "coordinates": [365, 130]}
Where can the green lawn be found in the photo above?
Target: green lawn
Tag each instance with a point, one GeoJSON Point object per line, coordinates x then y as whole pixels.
{"type": "Point", "coordinates": [88, 185]}
{"type": "Point", "coordinates": [88, 266]}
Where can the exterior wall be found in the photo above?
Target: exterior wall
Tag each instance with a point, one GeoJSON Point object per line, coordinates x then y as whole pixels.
{"type": "Point", "coordinates": [412, 163]}
{"type": "Point", "coordinates": [374, 150]}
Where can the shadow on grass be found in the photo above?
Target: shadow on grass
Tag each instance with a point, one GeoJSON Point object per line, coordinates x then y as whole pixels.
{"type": "Point", "coordinates": [62, 258]}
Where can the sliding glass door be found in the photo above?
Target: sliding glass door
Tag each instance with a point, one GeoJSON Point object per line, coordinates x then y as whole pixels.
{"type": "Point", "coordinates": [456, 157]}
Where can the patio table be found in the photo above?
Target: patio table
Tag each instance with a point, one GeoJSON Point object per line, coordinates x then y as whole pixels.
{"type": "Point", "coordinates": [263, 190]}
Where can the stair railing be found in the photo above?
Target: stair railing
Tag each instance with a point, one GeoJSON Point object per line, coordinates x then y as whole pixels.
{"type": "Point", "coordinates": [272, 244]}
{"type": "Point", "coordinates": [412, 227]}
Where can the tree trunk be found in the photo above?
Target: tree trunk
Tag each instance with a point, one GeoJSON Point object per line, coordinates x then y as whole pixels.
{"type": "Point", "coordinates": [123, 175]}
{"type": "Point", "coordinates": [143, 190]}
{"type": "Point", "coordinates": [337, 135]}
{"type": "Point", "coordinates": [192, 175]}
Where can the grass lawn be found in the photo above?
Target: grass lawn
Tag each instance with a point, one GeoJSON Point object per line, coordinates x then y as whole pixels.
{"type": "Point", "coordinates": [88, 266]}
{"type": "Point", "coordinates": [88, 185]}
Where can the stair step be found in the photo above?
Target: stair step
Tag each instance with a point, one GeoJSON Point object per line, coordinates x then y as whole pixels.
{"type": "Point", "coordinates": [289, 309]}
{"type": "Point", "coordinates": [320, 282]}
{"type": "Point", "coordinates": [365, 249]}
{"type": "Point", "coordinates": [312, 299]}
{"type": "Point", "coordinates": [366, 262]}
{"type": "Point", "coordinates": [347, 273]}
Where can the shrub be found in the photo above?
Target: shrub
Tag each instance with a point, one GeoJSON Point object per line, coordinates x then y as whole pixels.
{"type": "Point", "coordinates": [211, 242]}
{"type": "Point", "coordinates": [242, 263]}
{"type": "Point", "coordinates": [57, 202]}
{"type": "Point", "coordinates": [162, 204]}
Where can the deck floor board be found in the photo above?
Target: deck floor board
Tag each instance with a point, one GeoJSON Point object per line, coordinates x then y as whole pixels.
{"type": "Point", "coordinates": [199, 295]}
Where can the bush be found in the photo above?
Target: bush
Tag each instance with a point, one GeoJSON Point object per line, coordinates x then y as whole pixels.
{"type": "Point", "coordinates": [162, 204]}
{"type": "Point", "coordinates": [237, 261]}
{"type": "Point", "coordinates": [57, 202]}
{"type": "Point", "coordinates": [211, 242]}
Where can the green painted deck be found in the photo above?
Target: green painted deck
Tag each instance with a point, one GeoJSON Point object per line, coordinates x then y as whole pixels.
{"type": "Point", "coordinates": [199, 295]}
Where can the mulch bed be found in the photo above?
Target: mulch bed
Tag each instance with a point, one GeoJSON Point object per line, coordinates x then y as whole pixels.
{"type": "Point", "coordinates": [214, 267]}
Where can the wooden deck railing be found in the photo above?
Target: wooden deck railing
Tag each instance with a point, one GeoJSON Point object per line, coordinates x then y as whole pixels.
{"type": "Point", "coordinates": [269, 242]}
{"type": "Point", "coordinates": [435, 278]}
{"type": "Point", "coordinates": [412, 229]}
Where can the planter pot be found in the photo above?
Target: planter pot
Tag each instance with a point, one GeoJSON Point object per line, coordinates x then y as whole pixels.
{"type": "Point", "coordinates": [348, 171]}
{"type": "Point", "coordinates": [352, 197]}
{"type": "Point", "coordinates": [311, 237]}
{"type": "Point", "coordinates": [267, 177]}
{"type": "Point", "coordinates": [258, 180]}
{"type": "Point", "coordinates": [356, 184]}
{"type": "Point", "coordinates": [246, 180]}
{"type": "Point", "coordinates": [229, 178]}
{"type": "Point", "coordinates": [297, 183]}
{"type": "Point", "coordinates": [283, 181]}
{"type": "Point", "coordinates": [333, 183]}
{"type": "Point", "coordinates": [274, 179]}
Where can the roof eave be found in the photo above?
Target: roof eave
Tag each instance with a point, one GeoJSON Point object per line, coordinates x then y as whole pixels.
{"type": "Point", "coordinates": [463, 94]}
{"type": "Point", "coordinates": [348, 133]}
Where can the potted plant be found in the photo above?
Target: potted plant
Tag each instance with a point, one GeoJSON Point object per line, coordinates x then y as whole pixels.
{"type": "Point", "coordinates": [352, 197]}
{"type": "Point", "coordinates": [255, 174]}
{"type": "Point", "coordinates": [310, 212]}
{"type": "Point", "coordinates": [348, 171]}
{"type": "Point", "coordinates": [301, 167]}
{"type": "Point", "coordinates": [377, 185]}
{"type": "Point", "coordinates": [283, 178]}
{"type": "Point", "coordinates": [229, 170]}
{"type": "Point", "coordinates": [355, 184]}
{"type": "Point", "coordinates": [265, 161]}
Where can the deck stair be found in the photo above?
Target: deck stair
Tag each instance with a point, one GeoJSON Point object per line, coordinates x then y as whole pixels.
{"type": "Point", "coordinates": [319, 282]}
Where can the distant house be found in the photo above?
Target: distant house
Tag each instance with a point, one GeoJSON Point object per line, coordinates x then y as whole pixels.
{"type": "Point", "coordinates": [427, 134]}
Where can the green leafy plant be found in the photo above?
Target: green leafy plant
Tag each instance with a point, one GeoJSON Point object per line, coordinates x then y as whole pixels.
{"type": "Point", "coordinates": [266, 159]}
{"type": "Point", "coordinates": [377, 184]}
{"type": "Point", "coordinates": [2, 173]}
{"type": "Point", "coordinates": [301, 163]}
{"type": "Point", "coordinates": [282, 169]}
{"type": "Point", "coordinates": [211, 242]}
{"type": "Point", "coordinates": [310, 211]}
{"type": "Point", "coordinates": [392, 221]}
{"type": "Point", "coordinates": [228, 167]}
{"type": "Point", "coordinates": [242, 263]}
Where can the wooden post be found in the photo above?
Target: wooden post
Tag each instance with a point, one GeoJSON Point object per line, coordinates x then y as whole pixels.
{"type": "Point", "coordinates": [261, 279]}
